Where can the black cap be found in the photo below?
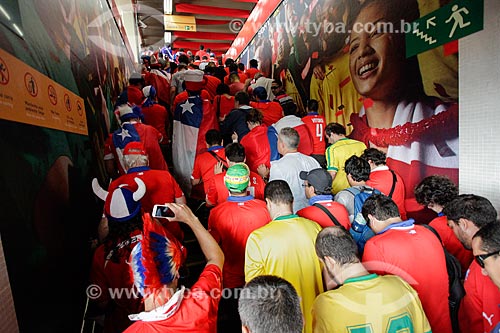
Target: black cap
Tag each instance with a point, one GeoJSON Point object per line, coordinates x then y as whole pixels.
{"type": "Point", "coordinates": [319, 178]}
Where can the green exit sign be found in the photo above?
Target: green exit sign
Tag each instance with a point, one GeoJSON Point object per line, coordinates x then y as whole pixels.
{"type": "Point", "coordinates": [451, 22]}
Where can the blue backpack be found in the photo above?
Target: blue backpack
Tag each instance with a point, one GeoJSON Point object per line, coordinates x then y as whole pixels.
{"type": "Point", "coordinates": [359, 230]}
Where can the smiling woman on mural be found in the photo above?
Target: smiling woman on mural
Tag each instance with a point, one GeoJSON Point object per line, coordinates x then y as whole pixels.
{"type": "Point", "coordinates": [419, 133]}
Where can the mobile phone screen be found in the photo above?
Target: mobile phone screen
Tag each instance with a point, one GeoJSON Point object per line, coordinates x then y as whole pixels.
{"type": "Point", "coordinates": [162, 212]}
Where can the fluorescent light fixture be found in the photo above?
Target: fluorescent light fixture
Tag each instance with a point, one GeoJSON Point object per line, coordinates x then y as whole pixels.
{"type": "Point", "coordinates": [168, 37]}
{"type": "Point", "coordinates": [4, 12]}
{"type": "Point", "coordinates": [167, 7]}
{"type": "Point", "coordinates": [18, 30]}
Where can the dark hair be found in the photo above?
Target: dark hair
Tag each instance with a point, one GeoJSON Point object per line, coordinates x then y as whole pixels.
{"type": "Point", "coordinates": [373, 154]}
{"type": "Point", "coordinates": [184, 59]}
{"type": "Point", "coordinates": [334, 128]}
{"type": "Point", "coordinates": [209, 70]}
{"type": "Point", "coordinates": [313, 105]}
{"type": "Point", "coordinates": [202, 46]}
{"type": "Point", "coordinates": [290, 137]}
{"type": "Point", "coordinates": [213, 137]}
{"type": "Point", "coordinates": [235, 152]}
{"type": "Point", "coordinates": [278, 191]}
{"type": "Point", "coordinates": [436, 189]}
{"type": "Point", "coordinates": [338, 244]}
{"type": "Point", "coordinates": [472, 207]}
{"type": "Point", "coordinates": [358, 168]}
{"type": "Point", "coordinates": [270, 304]}
{"type": "Point", "coordinates": [228, 62]}
{"type": "Point", "coordinates": [197, 57]}
{"type": "Point", "coordinates": [242, 97]}
{"type": "Point", "coordinates": [380, 206]}
{"type": "Point", "coordinates": [261, 94]}
{"type": "Point", "coordinates": [289, 107]}
{"type": "Point", "coordinates": [254, 63]}
{"type": "Point", "coordinates": [118, 232]}
{"type": "Point", "coordinates": [278, 82]}
{"type": "Point", "coordinates": [241, 66]}
{"type": "Point", "coordinates": [254, 116]}
{"type": "Point", "coordinates": [490, 237]}
{"type": "Point", "coordinates": [222, 89]}
{"type": "Point", "coordinates": [233, 67]}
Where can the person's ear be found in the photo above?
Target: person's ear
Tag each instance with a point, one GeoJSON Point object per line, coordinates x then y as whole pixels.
{"type": "Point", "coordinates": [244, 329]}
{"type": "Point", "coordinates": [463, 224]}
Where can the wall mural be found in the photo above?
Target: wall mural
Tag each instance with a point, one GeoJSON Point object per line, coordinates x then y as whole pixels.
{"type": "Point", "coordinates": [338, 53]}
{"type": "Point", "coordinates": [49, 210]}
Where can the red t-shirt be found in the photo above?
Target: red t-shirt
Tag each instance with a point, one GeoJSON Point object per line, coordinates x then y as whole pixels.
{"type": "Point", "coordinates": [197, 312]}
{"type": "Point", "coordinates": [250, 73]}
{"type": "Point", "coordinates": [150, 138]}
{"type": "Point", "coordinates": [204, 165]}
{"type": "Point", "coordinates": [316, 125]}
{"type": "Point", "coordinates": [416, 255]}
{"type": "Point", "coordinates": [381, 179]}
{"type": "Point", "coordinates": [306, 142]}
{"type": "Point", "coordinates": [109, 274]}
{"type": "Point", "coordinates": [451, 242]}
{"type": "Point", "coordinates": [257, 149]}
{"type": "Point", "coordinates": [236, 87]}
{"type": "Point", "coordinates": [161, 188]}
{"type": "Point", "coordinates": [480, 308]}
{"type": "Point", "coordinates": [241, 75]}
{"type": "Point", "coordinates": [156, 116]}
{"type": "Point", "coordinates": [223, 105]}
{"type": "Point", "coordinates": [211, 86]}
{"type": "Point", "coordinates": [218, 193]}
{"type": "Point", "coordinates": [230, 223]}
{"type": "Point", "coordinates": [271, 111]}
{"type": "Point", "coordinates": [316, 214]}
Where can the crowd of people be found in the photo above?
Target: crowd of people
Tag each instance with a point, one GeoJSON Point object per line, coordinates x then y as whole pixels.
{"type": "Point", "coordinates": [307, 228]}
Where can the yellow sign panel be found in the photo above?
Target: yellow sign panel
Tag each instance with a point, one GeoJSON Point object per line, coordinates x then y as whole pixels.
{"type": "Point", "coordinates": [27, 96]}
{"type": "Point", "coordinates": [180, 23]}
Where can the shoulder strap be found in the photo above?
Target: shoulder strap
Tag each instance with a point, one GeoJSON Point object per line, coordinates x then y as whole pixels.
{"type": "Point", "coordinates": [224, 166]}
{"type": "Point", "coordinates": [327, 212]}
{"type": "Point", "coordinates": [426, 226]}
{"type": "Point", "coordinates": [394, 180]}
{"type": "Point", "coordinates": [353, 190]}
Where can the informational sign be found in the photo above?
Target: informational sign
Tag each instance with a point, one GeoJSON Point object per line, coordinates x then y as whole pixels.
{"type": "Point", "coordinates": [180, 23]}
{"type": "Point", "coordinates": [27, 96]}
{"type": "Point", "coordinates": [451, 22]}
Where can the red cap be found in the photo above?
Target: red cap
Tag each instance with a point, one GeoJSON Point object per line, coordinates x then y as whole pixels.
{"type": "Point", "coordinates": [134, 148]}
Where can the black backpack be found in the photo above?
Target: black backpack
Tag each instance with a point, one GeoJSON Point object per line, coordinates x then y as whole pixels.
{"type": "Point", "coordinates": [456, 288]}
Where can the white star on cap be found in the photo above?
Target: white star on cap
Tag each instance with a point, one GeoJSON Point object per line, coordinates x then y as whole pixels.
{"type": "Point", "coordinates": [187, 107]}
{"type": "Point", "coordinates": [124, 134]}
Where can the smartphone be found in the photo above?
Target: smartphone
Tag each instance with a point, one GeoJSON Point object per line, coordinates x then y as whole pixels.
{"type": "Point", "coordinates": [162, 212]}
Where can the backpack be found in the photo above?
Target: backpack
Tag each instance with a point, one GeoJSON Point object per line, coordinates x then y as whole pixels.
{"type": "Point", "coordinates": [455, 286]}
{"type": "Point", "coordinates": [359, 230]}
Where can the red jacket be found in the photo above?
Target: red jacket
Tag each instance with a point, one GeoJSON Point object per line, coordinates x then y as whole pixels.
{"type": "Point", "coordinates": [271, 111]}
{"type": "Point", "coordinates": [257, 149]}
{"type": "Point", "coordinates": [382, 179]}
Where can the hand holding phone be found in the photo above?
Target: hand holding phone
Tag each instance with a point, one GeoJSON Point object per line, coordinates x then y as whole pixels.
{"type": "Point", "coordinates": [162, 212]}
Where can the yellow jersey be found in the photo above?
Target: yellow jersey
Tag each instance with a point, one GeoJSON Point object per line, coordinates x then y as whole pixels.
{"type": "Point", "coordinates": [370, 304]}
{"type": "Point", "coordinates": [336, 155]}
{"type": "Point", "coordinates": [285, 248]}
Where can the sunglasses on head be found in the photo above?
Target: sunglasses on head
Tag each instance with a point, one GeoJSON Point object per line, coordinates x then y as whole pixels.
{"type": "Point", "coordinates": [482, 257]}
